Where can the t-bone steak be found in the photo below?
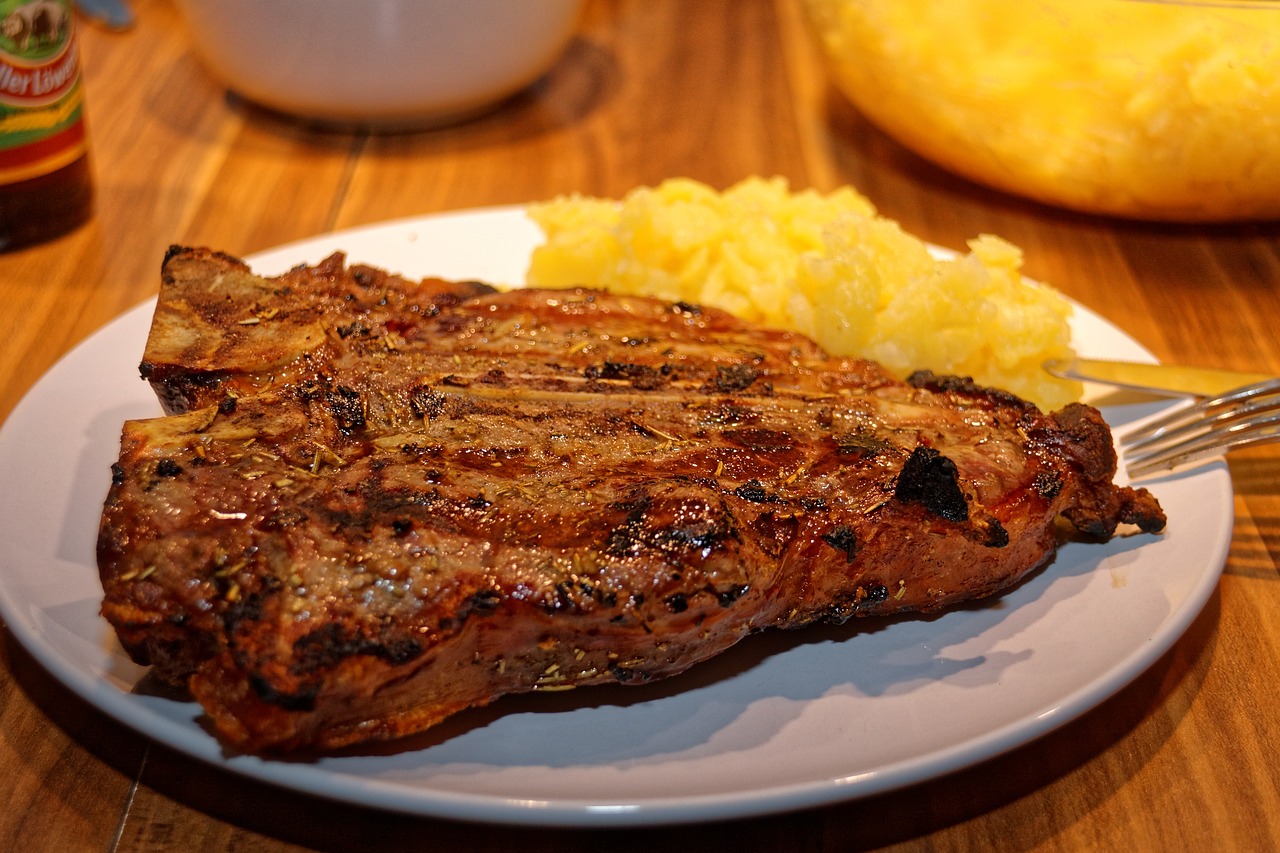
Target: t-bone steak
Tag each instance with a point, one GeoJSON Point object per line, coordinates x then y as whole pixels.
{"type": "Point", "coordinates": [375, 502]}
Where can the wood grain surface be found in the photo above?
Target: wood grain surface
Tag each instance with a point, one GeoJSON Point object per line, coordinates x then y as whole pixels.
{"type": "Point", "coordinates": [717, 90]}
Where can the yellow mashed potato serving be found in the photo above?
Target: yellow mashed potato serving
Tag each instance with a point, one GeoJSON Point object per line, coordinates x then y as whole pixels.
{"type": "Point", "coordinates": [824, 265]}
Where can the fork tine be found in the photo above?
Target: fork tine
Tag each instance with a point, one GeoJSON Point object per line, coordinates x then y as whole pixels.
{"type": "Point", "coordinates": [1184, 427]}
{"type": "Point", "coordinates": [1247, 397]}
{"type": "Point", "coordinates": [1209, 428]}
{"type": "Point", "coordinates": [1212, 441]}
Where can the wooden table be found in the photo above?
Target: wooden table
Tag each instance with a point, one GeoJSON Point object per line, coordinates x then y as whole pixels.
{"type": "Point", "coordinates": [716, 90]}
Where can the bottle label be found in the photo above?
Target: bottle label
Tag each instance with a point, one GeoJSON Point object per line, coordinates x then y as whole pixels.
{"type": "Point", "coordinates": [41, 99]}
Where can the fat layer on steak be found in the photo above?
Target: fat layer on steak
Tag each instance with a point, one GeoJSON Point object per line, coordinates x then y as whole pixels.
{"type": "Point", "coordinates": [376, 502]}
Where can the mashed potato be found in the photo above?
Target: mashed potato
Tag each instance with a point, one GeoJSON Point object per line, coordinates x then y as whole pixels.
{"type": "Point", "coordinates": [1156, 110]}
{"type": "Point", "coordinates": [824, 265]}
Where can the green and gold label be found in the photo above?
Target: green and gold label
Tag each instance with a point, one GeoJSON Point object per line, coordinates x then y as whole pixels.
{"type": "Point", "coordinates": [41, 101]}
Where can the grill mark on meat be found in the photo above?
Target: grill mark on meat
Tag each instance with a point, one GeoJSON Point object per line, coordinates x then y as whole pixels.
{"type": "Point", "coordinates": [525, 491]}
{"type": "Point", "coordinates": [324, 647]}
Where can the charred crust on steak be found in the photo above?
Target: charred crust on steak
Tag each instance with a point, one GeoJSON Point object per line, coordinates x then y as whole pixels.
{"type": "Point", "coordinates": [247, 607]}
{"type": "Point", "coordinates": [863, 599]}
{"type": "Point", "coordinates": [355, 327]}
{"type": "Point", "coordinates": [176, 250]}
{"type": "Point", "coordinates": [813, 505]}
{"type": "Point", "coordinates": [627, 675]}
{"type": "Point", "coordinates": [1086, 441]}
{"type": "Point", "coordinates": [933, 481]}
{"type": "Point", "coordinates": [875, 593]}
{"type": "Point", "coordinates": [1139, 507]}
{"type": "Point", "coordinates": [303, 699]}
{"type": "Point", "coordinates": [330, 644]}
{"type": "Point", "coordinates": [726, 597]}
{"type": "Point", "coordinates": [964, 386]}
{"type": "Point", "coordinates": [754, 491]}
{"type": "Point", "coordinates": [732, 379]}
{"type": "Point", "coordinates": [997, 536]}
{"type": "Point", "coordinates": [844, 539]}
{"type": "Point", "coordinates": [641, 376]}
{"type": "Point", "coordinates": [729, 413]}
{"type": "Point", "coordinates": [988, 530]}
{"type": "Point", "coordinates": [494, 376]}
{"type": "Point", "coordinates": [177, 393]}
{"type": "Point", "coordinates": [677, 531]}
{"type": "Point", "coordinates": [348, 408]}
{"type": "Point", "coordinates": [426, 403]}
{"type": "Point", "coordinates": [284, 518]}
{"type": "Point", "coordinates": [1047, 484]}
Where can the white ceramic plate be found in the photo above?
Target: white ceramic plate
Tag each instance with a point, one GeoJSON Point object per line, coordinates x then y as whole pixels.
{"type": "Point", "coordinates": [782, 721]}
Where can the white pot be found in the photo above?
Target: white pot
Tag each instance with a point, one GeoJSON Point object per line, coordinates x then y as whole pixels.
{"type": "Point", "coordinates": [382, 63]}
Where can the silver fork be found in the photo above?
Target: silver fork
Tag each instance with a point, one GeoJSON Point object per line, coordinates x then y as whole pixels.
{"type": "Point", "coordinates": [1208, 429]}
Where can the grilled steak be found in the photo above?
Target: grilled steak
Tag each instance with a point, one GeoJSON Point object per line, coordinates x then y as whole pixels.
{"type": "Point", "coordinates": [377, 502]}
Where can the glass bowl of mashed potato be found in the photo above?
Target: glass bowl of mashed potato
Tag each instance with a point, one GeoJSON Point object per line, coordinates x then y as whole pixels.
{"type": "Point", "coordinates": [1135, 108]}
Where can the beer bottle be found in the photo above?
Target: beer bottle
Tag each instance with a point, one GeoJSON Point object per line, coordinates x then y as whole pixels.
{"type": "Point", "coordinates": [46, 188]}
